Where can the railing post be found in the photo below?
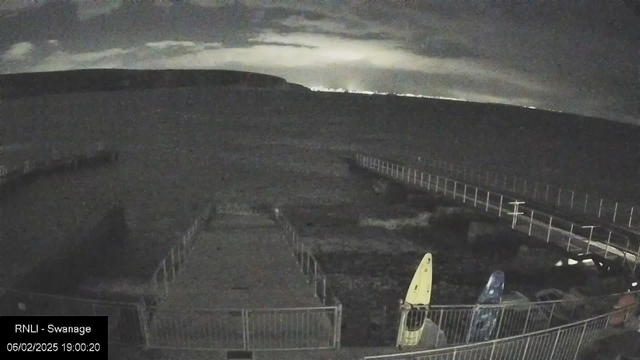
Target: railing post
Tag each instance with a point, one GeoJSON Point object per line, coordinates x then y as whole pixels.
{"type": "Point", "coordinates": [324, 290]}
{"type": "Point", "coordinates": [315, 279]}
{"type": "Point", "coordinates": [606, 251]}
{"type": "Point", "coordinates": [486, 208]}
{"type": "Point", "coordinates": [555, 345]}
{"type": "Point", "coordinates": [570, 236]}
{"type": "Point", "coordinates": [437, 181]}
{"type": "Point", "coordinates": [526, 320]}
{"type": "Point", "coordinates": [429, 182]}
{"type": "Point", "coordinates": [446, 183]}
{"type": "Point", "coordinates": [526, 348]}
{"type": "Point", "coordinates": [245, 330]}
{"type": "Point", "coordinates": [464, 197]}
{"type": "Point", "coordinates": [600, 208]}
{"type": "Point", "coordinates": [415, 176]}
{"type": "Point", "coordinates": [301, 258]}
{"type": "Point", "coordinates": [584, 329]}
{"type": "Point", "coordinates": [144, 322]}
{"type": "Point", "coordinates": [173, 265]}
{"type": "Point", "coordinates": [500, 323]}
{"type": "Point", "coordinates": [546, 195]}
{"type": "Point", "coordinates": [308, 265]}
{"type": "Point", "coordinates": [455, 189]}
{"type": "Point", "coordinates": [166, 282]}
{"type": "Point", "coordinates": [615, 212]}
{"type": "Point", "coordinates": [559, 195]}
{"type": "Point", "coordinates": [500, 210]}
{"type": "Point", "coordinates": [572, 195]}
{"type": "Point", "coordinates": [402, 178]}
{"type": "Point", "coordinates": [590, 235]}
{"type": "Point", "coordinates": [493, 350]}
{"type": "Point", "coordinates": [475, 198]}
{"type": "Point", "coordinates": [338, 326]}
{"type": "Point", "coordinates": [549, 231]}
{"type": "Point", "coordinates": [421, 177]}
{"type": "Point", "coordinates": [553, 307]}
{"type": "Point", "coordinates": [630, 216]}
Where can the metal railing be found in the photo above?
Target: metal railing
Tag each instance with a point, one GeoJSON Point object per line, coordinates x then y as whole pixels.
{"type": "Point", "coordinates": [245, 329]}
{"type": "Point", "coordinates": [616, 212]}
{"type": "Point", "coordinates": [44, 159]}
{"type": "Point", "coordinates": [576, 238]}
{"type": "Point", "coordinates": [310, 267]}
{"type": "Point", "coordinates": [558, 343]}
{"type": "Point", "coordinates": [169, 268]}
{"type": "Point", "coordinates": [455, 321]}
{"type": "Point", "coordinates": [139, 323]}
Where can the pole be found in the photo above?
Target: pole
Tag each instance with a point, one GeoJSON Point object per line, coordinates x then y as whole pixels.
{"type": "Point", "coordinates": [455, 189]}
{"type": "Point", "coordinates": [572, 195]}
{"type": "Point", "coordinates": [475, 198]}
{"type": "Point", "coordinates": [586, 201]}
{"type": "Point", "coordinates": [600, 208]}
{"type": "Point", "coordinates": [464, 197]}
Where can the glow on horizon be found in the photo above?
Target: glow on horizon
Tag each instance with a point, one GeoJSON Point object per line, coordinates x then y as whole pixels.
{"type": "Point", "coordinates": [367, 92]}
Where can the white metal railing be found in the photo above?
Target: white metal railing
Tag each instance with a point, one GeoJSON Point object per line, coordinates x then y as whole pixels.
{"type": "Point", "coordinates": [43, 160]}
{"type": "Point", "coordinates": [577, 238]}
{"type": "Point", "coordinates": [140, 323]}
{"type": "Point", "coordinates": [310, 267]}
{"type": "Point", "coordinates": [616, 212]}
{"type": "Point", "coordinates": [245, 329]}
{"type": "Point", "coordinates": [168, 269]}
{"type": "Point", "coordinates": [557, 343]}
{"type": "Point", "coordinates": [511, 318]}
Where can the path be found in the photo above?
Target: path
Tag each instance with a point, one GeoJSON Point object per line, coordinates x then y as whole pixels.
{"type": "Point", "coordinates": [241, 262]}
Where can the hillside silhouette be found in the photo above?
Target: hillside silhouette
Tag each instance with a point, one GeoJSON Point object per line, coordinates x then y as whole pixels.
{"type": "Point", "coordinates": [99, 80]}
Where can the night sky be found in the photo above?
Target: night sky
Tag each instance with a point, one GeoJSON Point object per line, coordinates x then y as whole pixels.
{"type": "Point", "coordinates": [573, 56]}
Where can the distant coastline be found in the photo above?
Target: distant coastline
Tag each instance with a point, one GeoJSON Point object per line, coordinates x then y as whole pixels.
{"type": "Point", "coordinates": [98, 80]}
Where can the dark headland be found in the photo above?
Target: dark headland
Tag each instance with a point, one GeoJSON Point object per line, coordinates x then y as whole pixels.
{"type": "Point", "coordinates": [87, 80]}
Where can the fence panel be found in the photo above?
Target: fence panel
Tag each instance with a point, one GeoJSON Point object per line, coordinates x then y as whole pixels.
{"type": "Point", "coordinates": [577, 202]}
{"type": "Point", "coordinates": [301, 328]}
{"type": "Point", "coordinates": [198, 329]}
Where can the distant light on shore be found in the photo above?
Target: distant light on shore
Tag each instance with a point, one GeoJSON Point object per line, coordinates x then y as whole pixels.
{"type": "Point", "coordinates": [367, 92]}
